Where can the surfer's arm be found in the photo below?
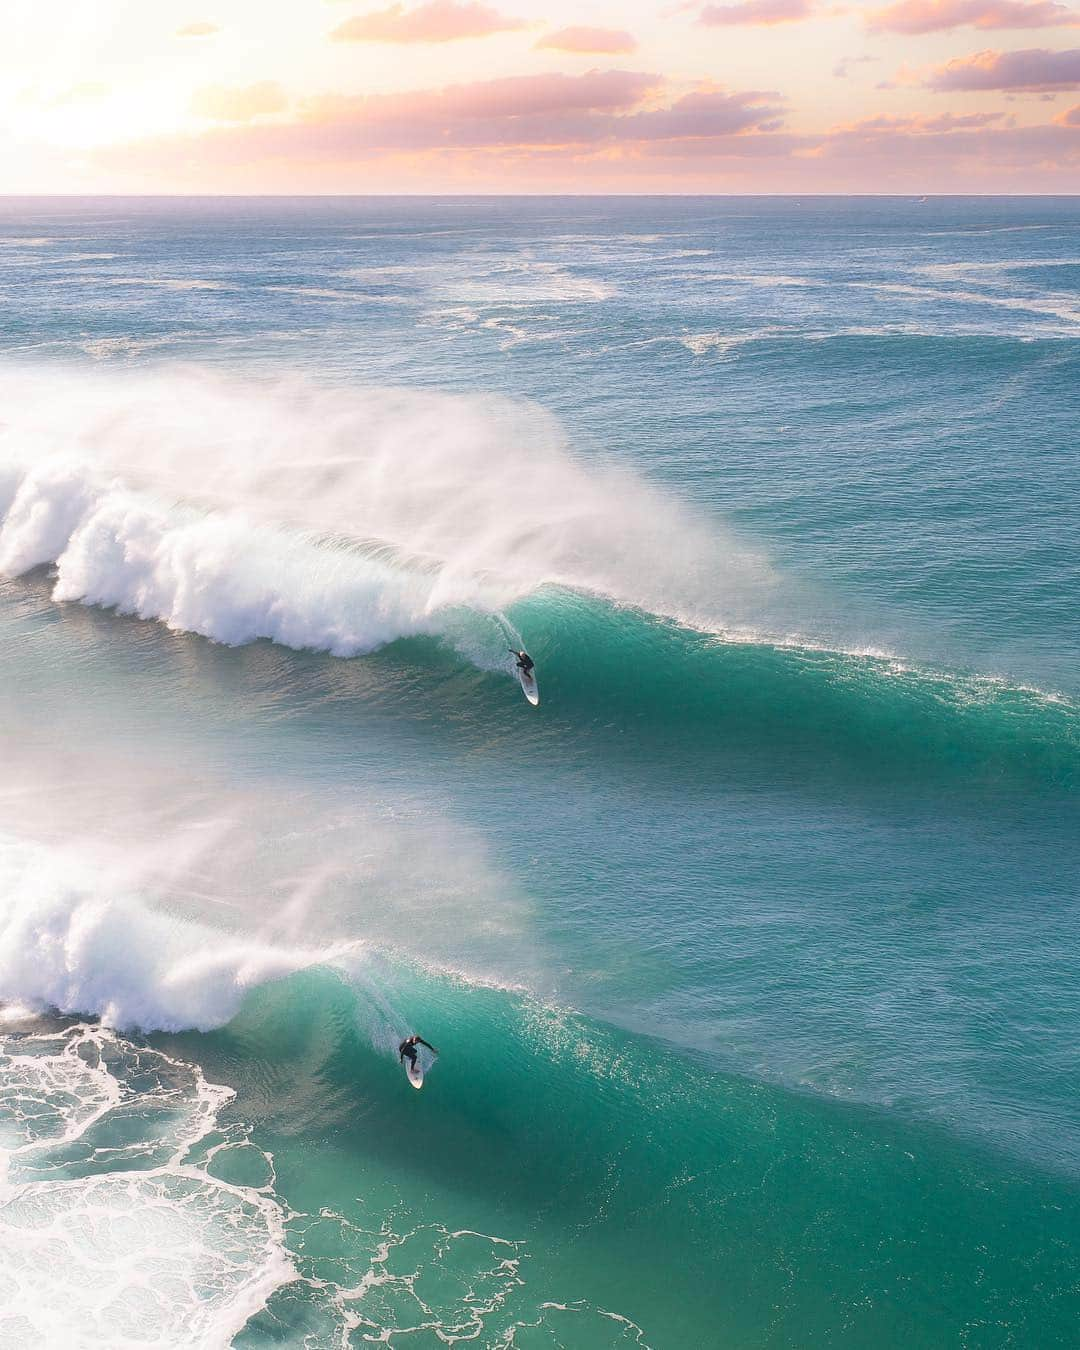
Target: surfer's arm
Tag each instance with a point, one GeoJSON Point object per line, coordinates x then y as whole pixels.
{"type": "Point", "coordinates": [420, 1041]}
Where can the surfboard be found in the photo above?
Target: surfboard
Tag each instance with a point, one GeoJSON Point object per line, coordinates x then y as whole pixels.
{"type": "Point", "coordinates": [529, 687]}
{"type": "Point", "coordinates": [415, 1073]}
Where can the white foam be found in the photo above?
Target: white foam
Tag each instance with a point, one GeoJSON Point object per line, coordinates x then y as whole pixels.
{"type": "Point", "coordinates": [168, 283]}
{"type": "Point", "coordinates": [1061, 307]}
{"type": "Point", "coordinates": [336, 520]}
{"type": "Point", "coordinates": [111, 1233]}
{"type": "Point", "coordinates": [69, 941]}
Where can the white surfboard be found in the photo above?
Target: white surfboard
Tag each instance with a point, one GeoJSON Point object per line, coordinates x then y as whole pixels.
{"type": "Point", "coordinates": [415, 1073]}
{"type": "Point", "coordinates": [529, 687]}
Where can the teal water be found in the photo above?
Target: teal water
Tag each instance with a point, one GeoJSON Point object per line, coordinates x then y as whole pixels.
{"type": "Point", "coordinates": [750, 953]}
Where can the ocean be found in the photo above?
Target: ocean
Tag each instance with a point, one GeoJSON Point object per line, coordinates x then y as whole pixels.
{"type": "Point", "coordinates": [750, 954]}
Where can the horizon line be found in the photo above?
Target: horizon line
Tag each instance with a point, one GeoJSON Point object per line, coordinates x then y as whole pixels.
{"type": "Point", "coordinates": [914, 194]}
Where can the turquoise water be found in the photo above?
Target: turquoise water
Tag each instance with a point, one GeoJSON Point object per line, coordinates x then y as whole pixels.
{"type": "Point", "coordinates": [750, 953]}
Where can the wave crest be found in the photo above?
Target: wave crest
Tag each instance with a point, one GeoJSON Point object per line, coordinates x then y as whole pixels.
{"type": "Point", "coordinates": [334, 519]}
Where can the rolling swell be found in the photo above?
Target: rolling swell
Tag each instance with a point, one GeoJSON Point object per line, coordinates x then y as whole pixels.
{"type": "Point", "coordinates": [351, 521]}
{"type": "Point", "coordinates": [609, 667]}
{"type": "Point", "coordinates": [623, 1164]}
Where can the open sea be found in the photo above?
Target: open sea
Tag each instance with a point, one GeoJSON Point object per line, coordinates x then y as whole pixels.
{"type": "Point", "coordinates": [752, 954]}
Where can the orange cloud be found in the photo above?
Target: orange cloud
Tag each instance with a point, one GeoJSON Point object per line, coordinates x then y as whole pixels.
{"type": "Point", "coordinates": [1034, 70]}
{"type": "Point", "coordinates": [197, 30]}
{"type": "Point", "coordinates": [759, 12]}
{"type": "Point", "coordinates": [608, 41]}
{"type": "Point", "coordinates": [1071, 118]}
{"type": "Point", "coordinates": [437, 21]}
{"type": "Point", "coordinates": [239, 105]}
{"type": "Point", "coordinates": [936, 16]}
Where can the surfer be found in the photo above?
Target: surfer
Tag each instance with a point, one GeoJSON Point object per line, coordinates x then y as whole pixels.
{"type": "Point", "coordinates": [407, 1049]}
{"type": "Point", "coordinates": [525, 663]}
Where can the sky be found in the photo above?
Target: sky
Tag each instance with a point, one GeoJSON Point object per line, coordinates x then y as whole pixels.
{"type": "Point", "coordinates": [539, 96]}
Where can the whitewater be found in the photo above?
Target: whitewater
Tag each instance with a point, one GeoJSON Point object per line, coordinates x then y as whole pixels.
{"type": "Point", "coordinates": [749, 953]}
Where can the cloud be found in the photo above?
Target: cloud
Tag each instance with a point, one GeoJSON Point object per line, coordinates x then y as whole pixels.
{"type": "Point", "coordinates": [603, 130]}
{"type": "Point", "coordinates": [197, 30]}
{"type": "Point", "coordinates": [705, 115]}
{"type": "Point", "coordinates": [220, 104]}
{"type": "Point", "coordinates": [1034, 70]}
{"type": "Point", "coordinates": [609, 41]}
{"type": "Point", "coordinates": [978, 156]}
{"type": "Point", "coordinates": [920, 126]}
{"type": "Point", "coordinates": [703, 143]}
{"type": "Point", "coordinates": [601, 116]}
{"type": "Point", "coordinates": [600, 107]}
{"type": "Point", "coordinates": [843, 67]}
{"type": "Point", "coordinates": [763, 12]}
{"type": "Point", "coordinates": [437, 21]}
{"type": "Point", "coordinates": [936, 16]}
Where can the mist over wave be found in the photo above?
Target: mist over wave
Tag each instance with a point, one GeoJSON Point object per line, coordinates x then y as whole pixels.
{"type": "Point", "coordinates": [154, 890]}
{"type": "Point", "coordinates": [70, 941]}
{"type": "Point", "coordinates": [336, 520]}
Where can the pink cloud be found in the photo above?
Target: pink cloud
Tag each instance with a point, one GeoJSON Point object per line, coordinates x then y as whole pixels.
{"type": "Point", "coordinates": [762, 12]}
{"type": "Point", "coordinates": [1011, 157]}
{"type": "Point", "coordinates": [963, 122]}
{"type": "Point", "coordinates": [704, 115]}
{"type": "Point", "coordinates": [1033, 70]}
{"type": "Point", "coordinates": [305, 156]}
{"type": "Point", "coordinates": [600, 116]}
{"type": "Point", "coordinates": [529, 110]}
{"type": "Point", "coordinates": [842, 69]}
{"type": "Point", "coordinates": [935, 16]}
{"type": "Point", "coordinates": [513, 96]}
{"type": "Point", "coordinates": [605, 130]}
{"type": "Point", "coordinates": [608, 41]}
{"type": "Point", "coordinates": [436, 21]}
{"type": "Point", "coordinates": [919, 126]}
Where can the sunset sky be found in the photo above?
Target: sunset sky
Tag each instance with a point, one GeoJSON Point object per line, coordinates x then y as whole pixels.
{"type": "Point", "coordinates": [468, 96]}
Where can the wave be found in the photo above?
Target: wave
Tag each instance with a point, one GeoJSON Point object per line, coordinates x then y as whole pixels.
{"type": "Point", "coordinates": [343, 521]}
{"type": "Point", "coordinates": [139, 1209]}
{"type": "Point", "coordinates": [334, 520]}
{"type": "Point", "coordinates": [787, 698]}
{"type": "Point", "coordinates": [70, 941]}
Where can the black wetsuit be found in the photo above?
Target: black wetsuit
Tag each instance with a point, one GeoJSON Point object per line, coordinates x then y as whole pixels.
{"type": "Point", "coordinates": [407, 1049]}
{"type": "Point", "coordinates": [525, 662]}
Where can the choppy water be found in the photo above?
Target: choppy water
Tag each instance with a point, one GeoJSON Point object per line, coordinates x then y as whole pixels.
{"type": "Point", "coordinates": [751, 953]}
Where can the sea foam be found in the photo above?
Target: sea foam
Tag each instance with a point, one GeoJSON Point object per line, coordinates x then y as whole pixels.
{"type": "Point", "coordinates": [69, 941]}
{"type": "Point", "coordinates": [337, 520]}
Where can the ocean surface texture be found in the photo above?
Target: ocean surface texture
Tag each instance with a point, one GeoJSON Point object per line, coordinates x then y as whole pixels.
{"type": "Point", "coordinates": [751, 954]}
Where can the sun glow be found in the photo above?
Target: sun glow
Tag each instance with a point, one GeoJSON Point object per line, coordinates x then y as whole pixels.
{"type": "Point", "coordinates": [438, 95]}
